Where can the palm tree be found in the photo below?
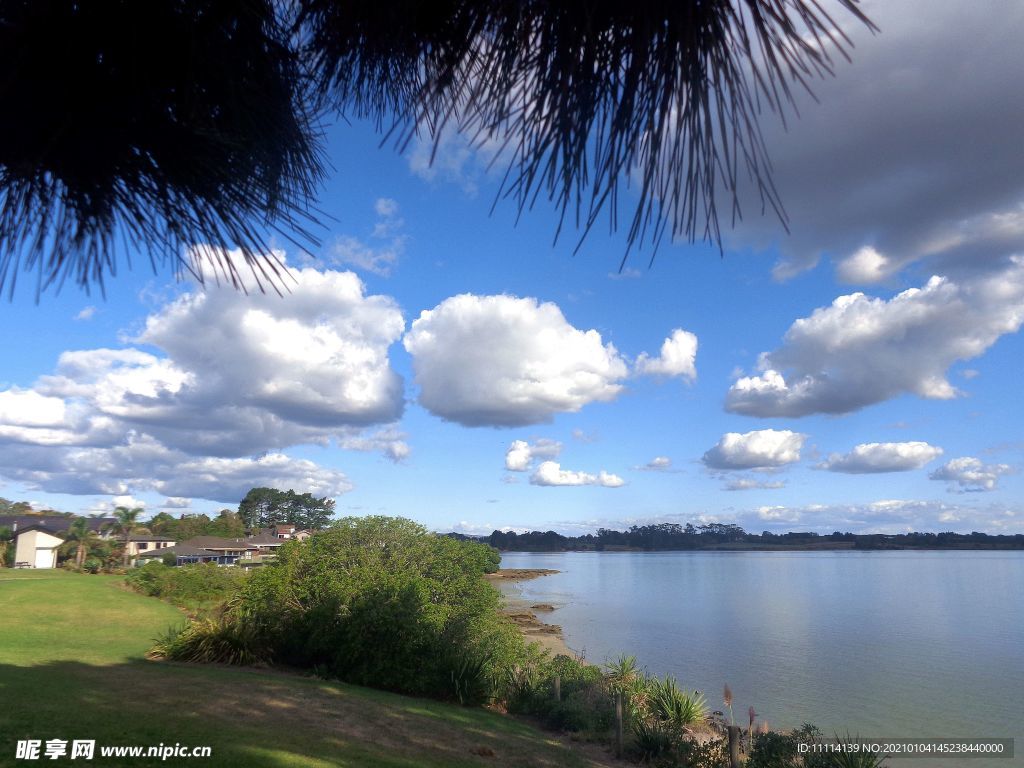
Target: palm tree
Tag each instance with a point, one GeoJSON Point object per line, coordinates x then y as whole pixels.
{"type": "Point", "coordinates": [125, 521]}
{"type": "Point", "coordinates": [178, 123]}
{"type": "Point", "coordinates": [78, 539]}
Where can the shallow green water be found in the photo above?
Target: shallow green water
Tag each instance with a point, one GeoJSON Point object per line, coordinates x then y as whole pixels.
{"type": "Point", "coordinates": [884, 644]}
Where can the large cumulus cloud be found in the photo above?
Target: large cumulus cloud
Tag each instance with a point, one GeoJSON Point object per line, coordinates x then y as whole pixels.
{"type": "Point", "coordinates": [874, 458]}
{"type": "Point", "coordinates": [506, 361]}
{"type": "Point", "coordinates": [910, 154]}
{"type": "Point", "coordinates": [760, 449]}
{"type": "Point", "coordinates": [863, 350]}
{"type": "Point", "coordinates": [211, 391]}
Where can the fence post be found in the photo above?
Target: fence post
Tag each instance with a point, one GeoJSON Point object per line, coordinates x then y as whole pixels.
{"type": "Point", "coordinates": [558, 687]}
{"type": "Point", "coordinates": [734, 746]}
{"type": "Point", "coordinates": [618, 723]}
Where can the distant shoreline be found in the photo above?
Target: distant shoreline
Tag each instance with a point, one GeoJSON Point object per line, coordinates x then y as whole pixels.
{"type": "Point", "coordinates": [526, 614]}
{"type": "Point", "coordinates": [841, 547]}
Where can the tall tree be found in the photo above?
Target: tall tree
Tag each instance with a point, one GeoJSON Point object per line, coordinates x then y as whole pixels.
{"type": "Point", "coordinates": [125, 521]}
{"type": "Point", "coordinates": [262, 507]}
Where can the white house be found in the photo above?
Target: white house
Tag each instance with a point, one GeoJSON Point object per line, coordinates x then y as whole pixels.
{"type": "Point", "coordinates": [36, 547]}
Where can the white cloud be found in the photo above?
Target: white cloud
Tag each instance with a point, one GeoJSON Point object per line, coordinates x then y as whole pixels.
{"type": "Point", "coordinates": [753, 484]}
{"type": "Point", "coordinates": [865, 266]}
{"type": "Point", "coordinates": [930, 168]}
{"type": "Point", "coordinates": [969, 474]}
{"type": "Point", "coordinates": [86, 313]}
{"type": "Point", "coordinates": [386, 208]}
{"type": "Point", "coordinates": [863, 350]}
{"type": "Point", "coordinates": [872, 458]}
{"type": "Point", "coordinates": [755, 450]}
{"type": "Point", "coordinates": [550, 473]}
{"type": "Point", "coordinates": [389, 441]}
{"type": "Point", "coordinates": [506, 361]}
{"type": "Point", "coordinates": [177, 502]}
{"type": "Point", "coordinates": [129, 501]}
{"type": "Point", "coordinates": [230, 376]}
{"type": "Point", "coordinates": [381, 254]}
{"type": "Point", "coordinates": [520, 454]}
{"type": "Point", "coordinates": [27, 408]}
{"type": "Point", "coordinates": [884, 516]}
{"type": "Point", "coordinates": [658, 464]}
{"type": "Point", "coordinates": [141, 464]}
{"type": "Point", "coordinates": [678, 357]}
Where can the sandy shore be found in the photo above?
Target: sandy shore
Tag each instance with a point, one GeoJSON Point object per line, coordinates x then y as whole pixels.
{"type": "Point", "coordinates": [526, 615]}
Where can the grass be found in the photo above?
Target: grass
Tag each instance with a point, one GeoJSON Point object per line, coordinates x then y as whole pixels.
{"type": "Point", "coordinates": [72, 667]}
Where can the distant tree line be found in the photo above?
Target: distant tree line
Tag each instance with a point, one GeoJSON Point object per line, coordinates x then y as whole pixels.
{"type": "Point", "coordinates": [673, 536]}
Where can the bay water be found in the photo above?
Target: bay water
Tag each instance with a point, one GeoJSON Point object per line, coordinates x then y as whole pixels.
{"type": "Point", "coordinates": [898, 644]}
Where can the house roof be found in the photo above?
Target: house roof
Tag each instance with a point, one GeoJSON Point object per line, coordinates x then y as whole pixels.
{"type": "Point", "coordinates": [216, 542]}
{"type": "Point", "coordinates": [148, 537]}
{"type": "Point", "coordinates": [41, 529]}
{"type": "Point", "coordinates": [181, 550]}
{"type": "Point", "coordinates": [52, 523]}
{"type": "Point", "coordinates": [265, 540]}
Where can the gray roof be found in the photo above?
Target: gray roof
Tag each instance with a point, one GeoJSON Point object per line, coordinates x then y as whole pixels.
{"type": "Point", "coordinates": [216, 542]}
{"type": "Point", "coordinates": [149, 537]}
{"type": "Point", "coordinates": [181, 550]}
{"type": "Point", "coordinates": [51, 523]}
{"type": "Point", "coordinates": [265, 540]}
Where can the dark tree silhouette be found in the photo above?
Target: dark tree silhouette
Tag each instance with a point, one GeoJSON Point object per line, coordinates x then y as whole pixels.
{"type": "Point", "coordinates": [172, 123]}
{"type": "Point", "coordinates": [581, 95]}
{"type": "Point", "coordinates": [183, 122]}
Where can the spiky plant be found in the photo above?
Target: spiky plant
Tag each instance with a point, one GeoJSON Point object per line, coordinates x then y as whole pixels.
{"type": "Point", "coordinates": [673, 705]}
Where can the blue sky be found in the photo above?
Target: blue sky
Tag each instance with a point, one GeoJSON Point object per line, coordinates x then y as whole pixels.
{"type": "Point", "coordinates": [441, 362]}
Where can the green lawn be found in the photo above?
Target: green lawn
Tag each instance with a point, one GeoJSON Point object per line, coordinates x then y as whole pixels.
{"type": "Point", "coordinates": [72, 667]}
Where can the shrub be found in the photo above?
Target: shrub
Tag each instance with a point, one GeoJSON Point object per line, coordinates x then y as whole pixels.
{"type": "Point", "coordinates": [773, 750]}
{"type": "Point", "coordinates": [224, 641]}
{"type": "Point", "coordinates": [203, 588]}
{"type": "Point", "coordinates": [382, 602]}
{"type": "Point", "coordinates": [668, 702]}
{"type": "Point", "coordinates": [652, 738]}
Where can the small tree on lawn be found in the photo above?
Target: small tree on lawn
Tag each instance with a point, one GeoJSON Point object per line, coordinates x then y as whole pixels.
{"type": "Point", "coordinates": [78, 539]}
{"type": "Point", "coordinates": [125, 521]}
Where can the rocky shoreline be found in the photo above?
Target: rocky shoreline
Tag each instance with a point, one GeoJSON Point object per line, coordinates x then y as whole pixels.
{"type": "Point", "coordinates": [524, 613]}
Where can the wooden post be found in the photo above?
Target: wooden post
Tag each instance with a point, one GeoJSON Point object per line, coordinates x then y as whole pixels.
{"type": "Point", "coordinates": [618, 723]}
{"type": "Point", "coordinates": [558, 687]}
{"type": "Point", "coordinates": [734, 746]}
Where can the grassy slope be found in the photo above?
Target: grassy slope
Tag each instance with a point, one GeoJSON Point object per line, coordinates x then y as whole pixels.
{"type": "Point", "coordinates": [71, 666]}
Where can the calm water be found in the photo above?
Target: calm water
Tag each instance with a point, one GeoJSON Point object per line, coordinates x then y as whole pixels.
{"type": "Point", "coordinates": [884, 644]}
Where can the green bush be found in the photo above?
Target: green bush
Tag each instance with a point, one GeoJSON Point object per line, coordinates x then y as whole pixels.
{"type": "Point", "coordinates": [223, 641]}
{"type": "Point", "coordinates": [673, 705]}
{"type": "Point", "coordinates": [774, 750]}
{"type": "Point", "coordinates": [202, 588]}
{"type": "Point", "coordinates": [651, 738]}
{"type": "Point", "coordinates": [382, 602]}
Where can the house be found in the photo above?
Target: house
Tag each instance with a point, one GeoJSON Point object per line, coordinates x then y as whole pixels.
{"type": "Point", "coordinates": [36, 547]}
{"type": "Point", "coordinates": [266, 543]}
{"type": "Point", "coordinates": [283, 530]}
{"type": "Point", "coordinates": [230, 550]}
{"type": "Point", "coordinates": [146, 542]}
{"type": "Point", "coordinates": [183, 554]}
{"type": "Point", "coordinates": [37, 537]}
{"type": "Point", "coordinates": [203, 549]}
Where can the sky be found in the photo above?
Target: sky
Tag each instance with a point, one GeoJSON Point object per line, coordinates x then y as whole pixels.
{"type": "Point", "coordinates": [438, 357]}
